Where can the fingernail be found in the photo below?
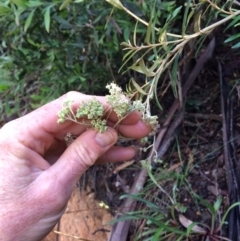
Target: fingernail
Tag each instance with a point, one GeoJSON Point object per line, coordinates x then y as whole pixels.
{"type": "Point", "coordinates": [104, 139]}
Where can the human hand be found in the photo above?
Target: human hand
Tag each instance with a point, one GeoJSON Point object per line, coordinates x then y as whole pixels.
{"type": "Point", "coordinates": [38, 172]}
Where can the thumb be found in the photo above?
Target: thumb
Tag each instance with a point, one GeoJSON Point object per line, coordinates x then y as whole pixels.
{"type": "Point", "coordinates": [82, 154]}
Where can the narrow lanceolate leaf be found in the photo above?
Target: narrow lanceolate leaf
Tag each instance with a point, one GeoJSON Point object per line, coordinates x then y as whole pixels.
{"type": "Point", "coordinates": [176, 12]}
{"type": "Point", "coordinates": [156, 64]}
{"type": "Point", "coordinates": [145, 69]}
{"type": "Point", "coordinates": [20, 3]}
{"type": "Point", "coordinates": [64, 4]}
{"type": "Point", "coordinates": [4, 10]}
{"type": "Point", "coordinates": [189, 17]}
{"type": "Point", "coordinates": [233, 37]}
{"type": "Point", "coordinates": [116, 4]}
{"type": "Point", "coordinates": [174, 80]}
{"type": "Point", "coordinates": [35, 3]}
{"type": "Point", "coordinates": [217, 204]}
{"type": "Point", "coordinates": [137, 86]}
{"type": "Point", "coordinates": [236, 46]}
{"type": "Point", "coordinates": [197, 22]}
{"type": "Point", "coordinates": [47, 18]}
{"type": "Point", "coordinates": [149, 32]}
{"type": "Point", "coordinates": [163, 39]}
{"type": "Point", "coordinates": [17, 14]}
{"type": "Point", "coordinates": [135, 35]}
{"type": "Point", "coordinates": [29, 20]}
{"type": "Point", "coordinates": [188, 223]}
{"type": "Point", "coordinates": [233, 23]}
{"type": "Point", "coordinates": [185, 17]}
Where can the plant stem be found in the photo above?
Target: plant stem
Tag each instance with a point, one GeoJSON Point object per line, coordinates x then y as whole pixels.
{"type": "Point", "coordinates": [211, 27]}
{"type": "Point", "coordinates": [216, 7]}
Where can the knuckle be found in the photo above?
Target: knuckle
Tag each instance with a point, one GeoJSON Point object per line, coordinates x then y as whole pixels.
{"type": "Point", "coordinates": [72, 94]}
{"type": "Point", "coordinates": [84, 155]}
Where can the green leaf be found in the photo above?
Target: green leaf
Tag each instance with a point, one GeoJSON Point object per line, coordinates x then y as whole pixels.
{"type": "Point", "coordinates": [197, 22]}
{"type": "Point", "coordinates": [208, 205]}
{"type": "Point", "coordinates": [126, 33]}
{"type": "Point", "coordinates": [20, 3]}
{"type": "Point", "coordinates": [33, 43]}
{"type": "Point", "coordinates": [149, 32]}
{"type": "Point", "coordinates": [4, 10]}
{"type": "Point", "coordinates": [138, 88]}
{"type": "Point", "coordinates": [133, 7]}
{"type": "Point", "coordinates": [136, 68]}
{"type": "Point", "coordinates": [34, 3]}
{"type": "Point", "coordinates": [174, 76]}
{"type": "Point", "coordinates": [64, 4]}
{"type": "Point", "coordinates": [145, 69]}
{"type": "Point", "coordinates": [135, 197]}
{"type": "Point", "coordinates": [17, 14]}
{"type": "Point", "coordinates": [135, 34]}
{"type": "Point", "coordinates": [4, 86]}
{"type": "Point", "coordinates": [226, 213]}
{"type": "Point", "coordinates": [233, 22]}
{"type": "Point", "coordinates": [163, 39]}
{"type": "Point", "coordinates": [231, 38]}
{"type": "Point", "coordinates": [101, 16]}
{"type": "Point", "coordinates": [185, 17]}
{"type": "Point", "coordinates": [189, 17]}
{"type": "Point", "coordinates": [217, 204]}
{"type": "Point", "coordinates": [29, 20]}
{"type": "Point", "coordinates": [47, 18]}
{"type": "Point", "coordinates": [236, 46]}
{"type": "Point", "coordinates": [174, 14]}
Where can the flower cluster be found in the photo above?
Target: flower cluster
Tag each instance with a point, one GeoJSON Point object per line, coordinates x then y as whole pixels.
{"type": "Point", "coordinates": [65, 112]}
{"type": "Point", "coordinates": [138, 105]}
{"type": "Point", "coordinates": [118, 101]}
{"type": "Point", "coordinates": [99, 125]}
{"type": "Point", "coordinates": [123, 106]}
{"type": "Point", "coordinates": [93, 110]}
{"type": "Point", "coordinates": [151, 121]}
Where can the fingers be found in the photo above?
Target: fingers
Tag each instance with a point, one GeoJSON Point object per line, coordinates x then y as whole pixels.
{"type": "Point", "coordinates": [38, 129]}
{"type": "Point", "coordinates": [82, 154]}
{"type": "Point", "coordinates": [117, 154]}
{"type": "Point", "coordinates": [138, 130]}
{"type": "Point", "coordinates": [46, 116]}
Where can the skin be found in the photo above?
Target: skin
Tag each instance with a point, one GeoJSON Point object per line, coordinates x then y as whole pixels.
{"type": "Point", "coordinates": [38, 172]}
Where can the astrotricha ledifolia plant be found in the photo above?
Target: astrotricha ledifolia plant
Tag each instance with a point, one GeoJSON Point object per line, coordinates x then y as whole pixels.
{"type": "Point", "coordinates": [93, 114]}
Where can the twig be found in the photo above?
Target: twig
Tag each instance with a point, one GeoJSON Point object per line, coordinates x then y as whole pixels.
{"type": "Point", "coordinates": [123, 166]}
{"type": "Point", "coordinates": [236, 2]}
{"type": "Point", "coordinates": [206, 116]}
